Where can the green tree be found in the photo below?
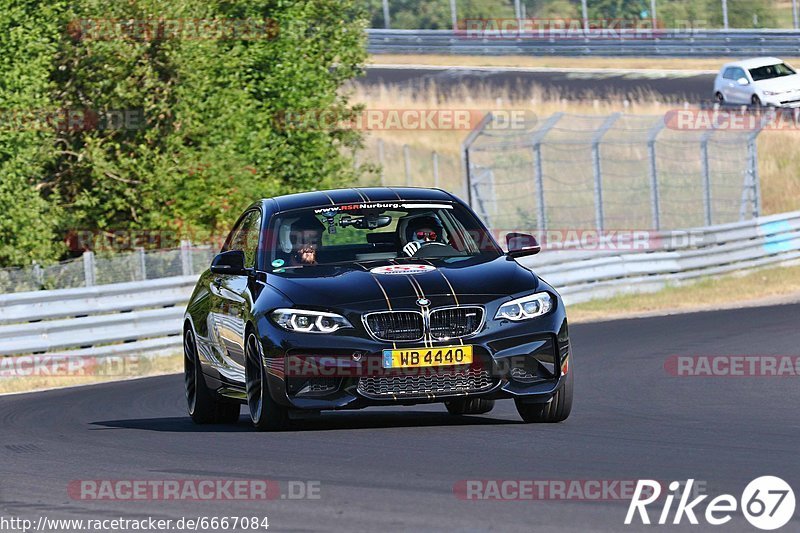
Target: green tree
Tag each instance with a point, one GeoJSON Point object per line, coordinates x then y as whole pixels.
{"type": "Point", "coordinates": [29, 35]}
{"type": "Point", "coordinates": [200, 135]}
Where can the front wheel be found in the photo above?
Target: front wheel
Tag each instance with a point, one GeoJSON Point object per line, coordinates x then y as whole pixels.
{"type": "Point", "coordinates": [556, 410]}
{"type": "Point", "coordinates": [205, 407]}
{"type": "Point", "coordinates": [265, 413]}
{"type": "Point", "coordinates": [756, 101]}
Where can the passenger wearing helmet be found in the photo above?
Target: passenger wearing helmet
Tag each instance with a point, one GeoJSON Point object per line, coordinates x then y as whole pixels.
{"type": "Point", "coordinates": [423, 231]}
{"type": "Point", "coordinates": [301, 237]}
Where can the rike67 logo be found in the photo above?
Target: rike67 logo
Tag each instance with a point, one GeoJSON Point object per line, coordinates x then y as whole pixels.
{"type": "Point", "coordinates": [767, 502]}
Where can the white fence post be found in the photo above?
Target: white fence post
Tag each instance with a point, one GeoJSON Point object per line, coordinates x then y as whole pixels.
{"type": "Point", "coordinates": [89, 274]}
{"type": "Point", "coordinates": [382, 162]}
{"type": "Point", "coordinates": [386, 19]}
{"type": "Point", "coordinates": [186, 258]}
{"type": "Point", "coordinates": [407, 162]}
{"type": "Point", "coordinates": [435, 157]}
{"type": "Point", "coordinates": [142, 263]}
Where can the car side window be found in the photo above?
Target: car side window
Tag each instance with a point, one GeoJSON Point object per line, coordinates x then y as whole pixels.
{"type": "Point", "coordinates": [245, 237]}
{"type": "Point", "coordinates": [738, 73]}
{"type": "Point", "coordinates": [729, 74]}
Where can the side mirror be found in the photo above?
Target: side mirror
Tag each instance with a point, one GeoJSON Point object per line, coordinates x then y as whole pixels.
{"type": "Point", "coordinates": [522, 244]}
{"type": "Point", "coordinates": [230, 263]}
{"type": "Point", "coordinates": [743, 81]}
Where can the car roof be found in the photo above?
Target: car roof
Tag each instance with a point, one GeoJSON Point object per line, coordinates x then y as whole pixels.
{"type": "Point", "coordinates": [358, 195]}
{"type": "Point", "coordinates": [754, 62]}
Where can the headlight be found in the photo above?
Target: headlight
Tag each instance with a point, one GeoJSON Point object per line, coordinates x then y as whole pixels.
{"type": "Point", "coordinates": [526, 307]}
{"type": "Point", "coordinates": [772, 93]}
{"type": "Point", "coordinates": [309, 321]}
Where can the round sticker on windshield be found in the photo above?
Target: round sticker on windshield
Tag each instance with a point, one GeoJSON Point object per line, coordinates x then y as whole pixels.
{"type": "Point", "coordinates": [402, 269]}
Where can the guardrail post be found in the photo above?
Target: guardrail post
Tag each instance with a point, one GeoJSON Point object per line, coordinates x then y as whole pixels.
{"type": "Point", "coordinates": [89, 269]}
{"type": "Point", "coordinates": [599, 214]}
{"type": "Point", "coordinates": [142, 263]}
{"type": "Point", "coordinates": [186, 258]}
{"type": "Point", "coordinates": [435, 170]}
{"type": "Point", "coordinates": [655, 199]}
{"type": "Point", "coordinates": [407, 163]}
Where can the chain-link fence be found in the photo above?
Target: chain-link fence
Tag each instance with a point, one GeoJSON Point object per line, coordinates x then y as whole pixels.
{"type": "Point", "coordinates": [91, 269]}
{"type": "Point", "coordinates": [613, 172]}
{"type": "Point", "coordinates": [402, 165]}
{"type": "Point", "coordinates": [592, 172]}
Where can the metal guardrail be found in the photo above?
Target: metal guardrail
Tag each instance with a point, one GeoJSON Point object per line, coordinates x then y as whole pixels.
{"type": "Point", "coordinates": [121, 318]}
{"type": "Point", "coordinates": [144, 317]}
{"type": "Point", "coordinates": [581, 275]}
{"type": "Point", "coordinates": [657, 43]}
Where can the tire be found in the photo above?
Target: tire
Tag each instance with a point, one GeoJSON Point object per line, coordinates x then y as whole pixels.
{"type": "Point", "coordinates": [265, 413]}
{"type": "Point", "coordinates": [719, 98]}
{"type": "Point", "coordinates": [556, 410]}
{"type": "Point", "coordinates": [756, 101]}
{"type": "Point", "coordinates": [205, 406]}
{"type": "Point", "coordinates": [469, 406]}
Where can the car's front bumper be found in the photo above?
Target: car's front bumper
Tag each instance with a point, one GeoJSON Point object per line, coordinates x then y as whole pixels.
{"type": "Point", "coordinates": [526, 360]}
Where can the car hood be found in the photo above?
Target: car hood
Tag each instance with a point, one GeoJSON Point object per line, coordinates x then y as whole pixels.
{"type": "Point", "coordinates": [784, 83]}
{"type": "Point", "coordinates": [444, 282]}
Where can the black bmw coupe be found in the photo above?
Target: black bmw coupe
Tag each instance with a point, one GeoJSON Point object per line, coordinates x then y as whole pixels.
{"type": "Point", "coordinates": [351, 298]}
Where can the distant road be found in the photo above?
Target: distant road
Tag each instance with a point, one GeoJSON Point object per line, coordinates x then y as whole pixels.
{"type": "Point", "coordinates": [671, 85]}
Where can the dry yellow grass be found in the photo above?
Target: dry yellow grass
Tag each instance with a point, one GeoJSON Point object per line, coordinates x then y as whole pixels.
{"type": "Point", "coordinates": [558, 62]}
{"type": "Point", "coordinates": [767, 286]}
{"type": "Point", "coordinates": [131, 368]}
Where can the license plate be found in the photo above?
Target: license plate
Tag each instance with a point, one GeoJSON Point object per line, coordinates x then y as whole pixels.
{"type": "Point", "coordinates": [421, 357]}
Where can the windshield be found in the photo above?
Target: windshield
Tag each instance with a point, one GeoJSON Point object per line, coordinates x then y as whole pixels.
{"type": "Point", "coordinates": [771, 71]}
{"type": "Point", "coordinates": [373, 232]}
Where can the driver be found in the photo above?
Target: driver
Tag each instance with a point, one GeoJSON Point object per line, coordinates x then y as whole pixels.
{"type": "Point", "coordinates": [306, 236]}
{"type": "Point", "coordinates": [422, 231]}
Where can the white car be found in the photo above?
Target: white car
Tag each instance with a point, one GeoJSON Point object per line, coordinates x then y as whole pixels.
{"type": "Point", "coordinates": [758, 81]}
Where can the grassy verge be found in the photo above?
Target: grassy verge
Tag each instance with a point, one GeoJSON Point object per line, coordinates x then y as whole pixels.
{"type": "Point", "coordinates": [649, 63]}
{"type": "Point", "coordinates": [120, 369]}
{"type": "Point", "coordinates": [767, 286]}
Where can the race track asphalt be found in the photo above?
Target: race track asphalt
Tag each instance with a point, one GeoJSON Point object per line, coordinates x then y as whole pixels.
{"type": "Point", "coordinates": [672, 87]}
{"type": "Point", "coordinates": [395, 469]}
